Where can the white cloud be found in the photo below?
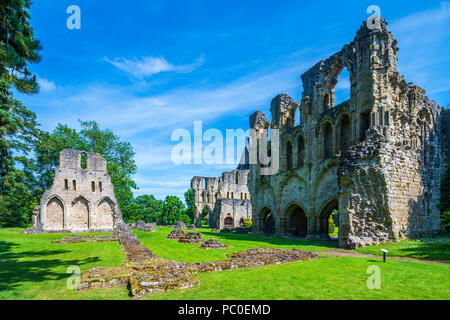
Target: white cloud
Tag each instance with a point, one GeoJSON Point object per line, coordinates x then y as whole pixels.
{"type": "Point", "coordinates": [45, 85]}
{"type": "Point", "coordinates": [148, 66]}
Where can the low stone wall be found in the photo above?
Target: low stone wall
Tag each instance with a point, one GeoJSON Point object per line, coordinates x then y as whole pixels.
{"type": "Point", "coordinates": [254, 258]}
{"type": "Point", "coordinates": [87, 238]}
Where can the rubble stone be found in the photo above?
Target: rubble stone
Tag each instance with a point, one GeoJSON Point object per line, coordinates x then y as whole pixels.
{"type": "Point", "coordinates": [192, 237]}
{"type": "Point", "coordinates": [212, 244]}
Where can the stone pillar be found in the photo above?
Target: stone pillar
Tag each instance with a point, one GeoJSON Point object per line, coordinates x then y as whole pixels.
{"type": "Point", "coordinates": [281, 227]}
{"type": "Point", "coordinates": [197, 218]}
{"type": "Point", "coordinates": [312, 228]}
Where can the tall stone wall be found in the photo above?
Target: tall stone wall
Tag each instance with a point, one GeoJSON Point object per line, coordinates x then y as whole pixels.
{"type": "Point", "coordinates": [226, 196]}
{"type": "Point", "coordinates": [81, 198]}
{"type": "Point", "coordinates": [377, 158]}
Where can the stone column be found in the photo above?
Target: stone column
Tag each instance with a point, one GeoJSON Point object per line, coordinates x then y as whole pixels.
{"type": "Point", "coordinates": [197, 218]}
{"type": "Point", "coordinates": [312, 228]}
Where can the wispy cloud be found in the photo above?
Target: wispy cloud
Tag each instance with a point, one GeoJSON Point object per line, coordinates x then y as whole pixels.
{"type": "Point", "coordinates": [46, 85]}
{"type": "Point", "coordinates": [148, 66]}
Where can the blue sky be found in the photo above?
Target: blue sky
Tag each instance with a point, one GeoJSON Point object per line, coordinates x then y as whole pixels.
{"type": "Point", "coordinates": [146, 68]}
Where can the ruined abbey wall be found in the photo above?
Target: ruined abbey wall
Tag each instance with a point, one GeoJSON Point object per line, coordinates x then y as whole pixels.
{"type": "Point", "coordinates": [376, 158]}
{"type": "Point", "coordinates": [226, 198]}
{"type": "Point", "coordinates": [81, 198]}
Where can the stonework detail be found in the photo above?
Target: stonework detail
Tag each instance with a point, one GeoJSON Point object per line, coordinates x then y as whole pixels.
{"type": "Point", "coordinates": [227, 199]}
{"type": "Point", "coordinates": [81, 198]}
{"type": "Point", "coordinates": [377, 158]}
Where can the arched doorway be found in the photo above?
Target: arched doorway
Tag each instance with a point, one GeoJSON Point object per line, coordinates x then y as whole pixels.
{"type": "Point", "coordinates": [241, 222]}
{"type": "Point", "coordinates": [228, 223]}
{"type": "Point", "coordinates": [206, 216]}
{"type": "Point", "coordinates": [297, 221]}
{"type": "Point", "coordinates": [329, 218]}
{"type": "Point", "coordinates": [105, 215]}
{"type": "Point", "coordinates": [268, 221]}
{"type": "Point", "coordinates": [55, 214]}
{"type": "Point", "coordinates": [79, 214]}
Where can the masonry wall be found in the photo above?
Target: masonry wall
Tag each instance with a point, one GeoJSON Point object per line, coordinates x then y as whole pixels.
{"type": "Point", "coordinates": [222, 196]}
{"type": "Point", "coordinates": [80, 199]}
{"type": "Point", "coordinates": [376, 158]}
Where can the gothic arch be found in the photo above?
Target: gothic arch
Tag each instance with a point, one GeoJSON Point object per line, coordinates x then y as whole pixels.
{"type": "Point", "coordinates": [55, 213]}
{"type": "Point", "coordinates": [266, 220]}
{"type": "Point", "coordinates": [104, 217]}
{"type": "Point", "coordinates": [296, 220]}
{"type": "Point", "coordinates": [80, 214]}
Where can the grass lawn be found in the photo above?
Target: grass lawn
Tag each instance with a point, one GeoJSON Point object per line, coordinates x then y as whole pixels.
{"type": "Point", "coordinates": [31, 267]}
{"type": "Point", "coordinates": [437, 249]}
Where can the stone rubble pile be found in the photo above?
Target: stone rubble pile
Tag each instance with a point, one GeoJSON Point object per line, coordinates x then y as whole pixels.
{"type": "Point", "coordinates": [192, 237]}
{"type": "Point", "coordinates": [176, 234]}
{"type": "Point", "coordinates": [212, 244]}
{"type": "Point", "coordinates": [143, 226]}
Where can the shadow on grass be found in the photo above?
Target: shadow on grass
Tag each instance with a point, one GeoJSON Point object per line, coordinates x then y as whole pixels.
{"type": "Point", "coordinates": [429, 249]}
{"type": "Point", "coordinates": [14, 270]}
{"type": "Point", "coordinates": [271, 240]}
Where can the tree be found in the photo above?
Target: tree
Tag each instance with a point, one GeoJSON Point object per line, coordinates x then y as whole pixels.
{"type": "Point", "coordinates": [149, 208]}
{"type": "Point", "coordinates": [118, 154]}
{"type": "Point", "coordinates": [189, 199]}
{"type": "Point", "coordinates": [173, 211]}
{"type": "Point", "coordinates": [18, 48]}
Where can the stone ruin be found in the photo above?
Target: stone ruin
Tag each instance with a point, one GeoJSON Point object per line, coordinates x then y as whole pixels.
{"type": "Point", "coordinates": [143, 226]}
{"type": "Point", "coordinates": [180, 225]}
{"type": "Point", "coordinates": [86, 238]}
{"type": "Point", "coordinates": [226, 199]}
{"type": "Point", "coordinates": [81, 198]}
{"type": "Point", "coordinates": [176, 234]}
{"type": "Point", "coordinates": [192, 237]}
{"type": "Point", "coordinates": [212, 244]}
{"type": "Point", "coordinates": [144, 274]}
{"type": "Point", "coordinates": [376, 158]}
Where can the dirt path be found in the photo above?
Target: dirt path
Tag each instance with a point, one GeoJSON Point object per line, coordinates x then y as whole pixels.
{"type": "Point", "coordinates": [337, 253]}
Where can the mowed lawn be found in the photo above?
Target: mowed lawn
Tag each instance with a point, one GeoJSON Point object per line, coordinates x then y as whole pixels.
{"type": "Point", "coordinates": [31, 267]}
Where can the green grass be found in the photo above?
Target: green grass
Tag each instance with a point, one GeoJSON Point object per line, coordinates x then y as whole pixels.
{"type": "Point", "coordinates": [171, 249]}
{"type": "Point", "coordinates": [329, 279]}
{"type": "Point", "coordinates": [437, 249]}
{"type": "Point", "coordinates": [31, 267]}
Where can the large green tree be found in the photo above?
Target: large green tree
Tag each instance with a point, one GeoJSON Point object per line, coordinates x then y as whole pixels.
{"type": "Point", "coordinates": [119, 155]}
{"type": "Point", "coordinates": [18, 48]}
{"type": "Point", "coordinates": [149, 209]}
{"type": "Point", "coordinates": [189, 199]}
{"type": "Point", "coordinates": [173, 211]}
